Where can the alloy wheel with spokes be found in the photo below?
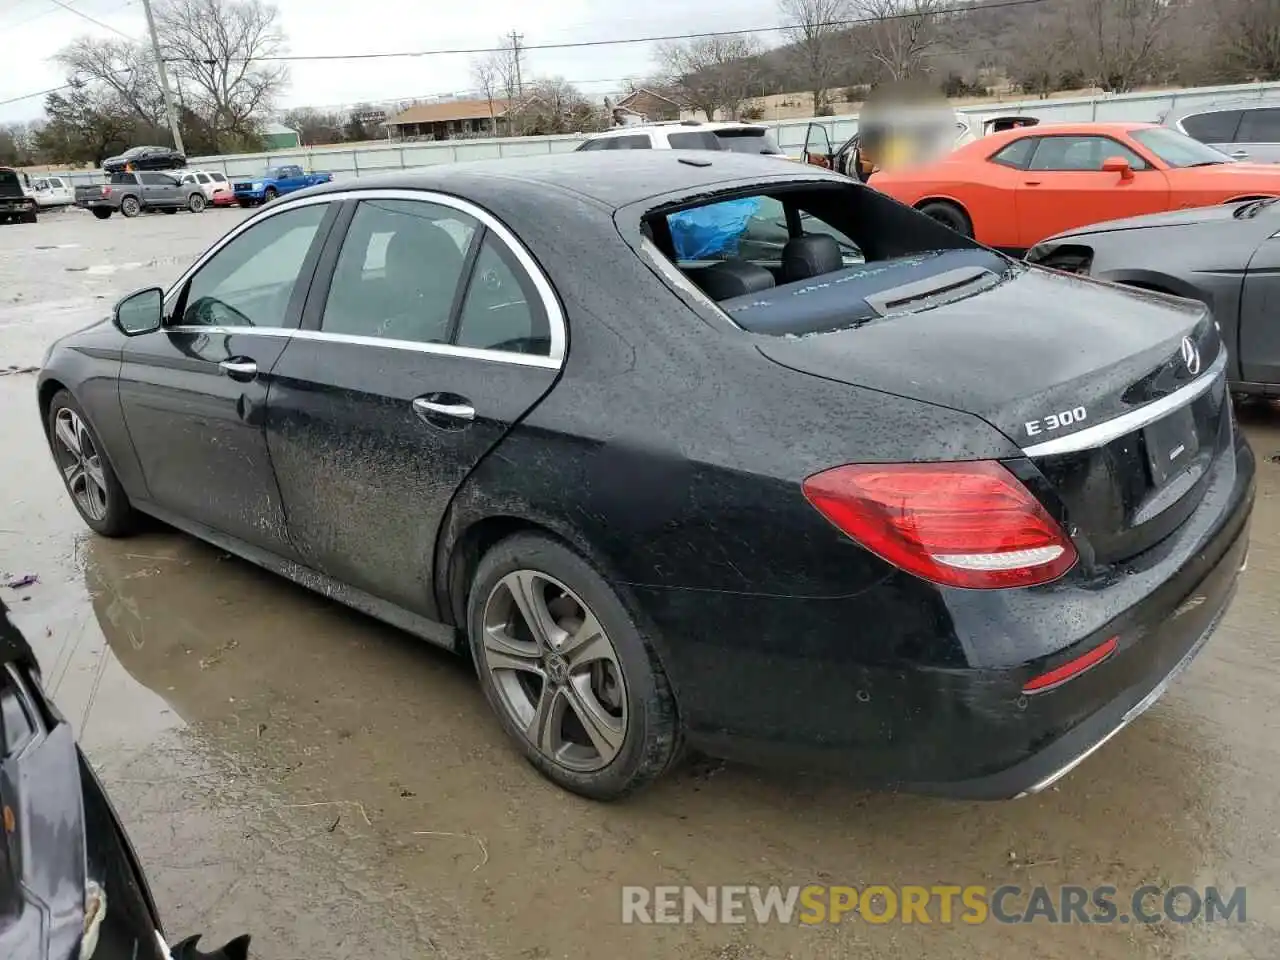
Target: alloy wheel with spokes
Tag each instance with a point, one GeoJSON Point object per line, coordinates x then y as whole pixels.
{"type": "Point", "coordinates": [555, 670]}
{"type": "Point", "coordinates": [80, 462]}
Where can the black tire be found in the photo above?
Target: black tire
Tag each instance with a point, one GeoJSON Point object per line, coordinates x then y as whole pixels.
{"type": "Point", "coordinates": [30, 217]}
{"type": "Point", "coordinates": [130, 207]}
{"type": "Point", "coordinates": [245, 203]}
{"type": "Point", "coordinates": [269, 194]}
{"type": "Point", "coordinates": [949, 215]}
{"type": "Point", "coordinates": [102, 213]}
{"type": "Point", "coordinates": [118, 518]}
{"type": "Point", "coordinates": [652, 739]}
{"type": "Point", "coordinates": [197, 202]}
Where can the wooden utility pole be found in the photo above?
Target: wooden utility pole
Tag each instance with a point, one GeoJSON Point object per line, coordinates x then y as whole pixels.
{"type": "Point", "coordinates": [170, 112]}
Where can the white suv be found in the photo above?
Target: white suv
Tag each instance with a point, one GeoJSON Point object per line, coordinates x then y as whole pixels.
{"type": "Point", "coordinates": [687, 135]}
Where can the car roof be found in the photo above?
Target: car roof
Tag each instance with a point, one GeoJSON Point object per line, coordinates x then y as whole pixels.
{"type": "Point", "coordinates": [679, 125]}
{"type": "Point", "coordinates": [995, 141]}
{"type": "Point", "coordinates": [1251, 103]}
{"type": "Point", "coordinates": [613, 178]}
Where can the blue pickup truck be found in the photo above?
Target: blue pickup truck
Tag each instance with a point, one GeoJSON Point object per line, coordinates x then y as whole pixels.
{"type": "Point", "coordinates": [276, 181]}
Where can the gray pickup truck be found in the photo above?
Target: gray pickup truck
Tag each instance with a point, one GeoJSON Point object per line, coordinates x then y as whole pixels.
{"type": "Point", "coordinates": [131, 193]}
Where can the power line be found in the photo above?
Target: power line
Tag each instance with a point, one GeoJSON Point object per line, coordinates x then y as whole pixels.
{"type": "Point", "coordinates": [579, 44]}
{"type": "Point", "coordinates": [85, 16]}
{"type": "Point", "coordinates": [46, 13]}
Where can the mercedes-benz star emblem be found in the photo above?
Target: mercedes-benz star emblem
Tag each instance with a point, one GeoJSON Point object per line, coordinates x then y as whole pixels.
{"type": "Point", "coordinates": [1190, 356]}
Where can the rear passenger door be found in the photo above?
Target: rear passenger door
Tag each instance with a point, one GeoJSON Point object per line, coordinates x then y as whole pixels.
{"type": "Point", "coordinates": [428, 333]}
{"type": "Point", "coordinates": [1258, 140]}
{"type": "Point", "coordinates": [160, 190]}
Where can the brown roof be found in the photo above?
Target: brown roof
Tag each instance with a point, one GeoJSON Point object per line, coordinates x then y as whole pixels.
{"type": "Point", "coordinates": [449, 110]}
{"type": "Point", "coordinates": [653, 93]}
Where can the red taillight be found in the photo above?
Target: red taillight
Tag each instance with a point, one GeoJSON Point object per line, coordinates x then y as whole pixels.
{"type": "Point", "coordinates": [106, 191]}
{"type": "Point", "coordinates": [969, 524]}
{"type": "Point", "coordinates": [1072, 668]}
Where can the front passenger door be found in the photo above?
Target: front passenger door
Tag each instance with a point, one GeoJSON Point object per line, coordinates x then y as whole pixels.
{"type": "Point", "coordinates": [430, 341]}
{"type": "Point", "coordinates": [194, 393]}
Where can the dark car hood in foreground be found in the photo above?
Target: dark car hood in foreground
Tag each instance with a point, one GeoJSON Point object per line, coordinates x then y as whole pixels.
{"type": "Point", "coordinates": [1172, 218]}
{"type": "Point", "coordinates": [1036, 345]}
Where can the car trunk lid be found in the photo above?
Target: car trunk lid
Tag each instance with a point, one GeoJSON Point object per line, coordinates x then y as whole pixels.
{"type": "Point", "coordinates": [1116, 396]}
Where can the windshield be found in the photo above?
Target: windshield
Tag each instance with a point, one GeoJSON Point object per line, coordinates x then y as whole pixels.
{"type": "Point", "coordinates": [750, 140]}
{"type": "Point", "coordinates": [1177, 149]}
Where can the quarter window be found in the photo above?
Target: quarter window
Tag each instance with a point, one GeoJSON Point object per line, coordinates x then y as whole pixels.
{"type": "Point", "coordinates": [399, 270]}
{"type": "Point", "coordinates": [1081, 154]}
{"type": "Point", "coordinates": [1016, 154]}
{"type": "Point", "coordinates": [502, 310]}
{"type": "Point", "coordinates": [249, 282]}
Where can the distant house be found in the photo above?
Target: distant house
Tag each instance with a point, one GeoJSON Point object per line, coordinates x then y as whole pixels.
{"type": "Point", "coordinates": [449, 119]}
{"type": "Point", "coordinates": [276, 136]}
{"type": "Point", "coordinates": [649, 104]}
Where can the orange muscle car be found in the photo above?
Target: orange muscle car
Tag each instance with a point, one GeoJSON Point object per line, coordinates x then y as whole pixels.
{"type": "Point", "coordinates": [1013, 189]}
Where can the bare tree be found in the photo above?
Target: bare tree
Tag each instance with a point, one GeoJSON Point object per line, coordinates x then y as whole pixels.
{"type": "Point", "coordinates": [813, 29]}
{"type": "Point", "coordinates": [556, 106]}
{"type": "Point", "coordinates": [216, 47]}
{"type": "Point", "coordinates": [1118, 42]}
{"type": "Point", "coordinates": [124, 67]}
{"type": "Point", "coordinates": [1039, 55]}
{"type": "Point", "coordinates": [1248, 33]}
{"type": "Point", "coordinates": [315, 127]}
{"type": "Point", "coordinates": [902, 34]}
{"type": "Point", "coordinates": [712, 73]}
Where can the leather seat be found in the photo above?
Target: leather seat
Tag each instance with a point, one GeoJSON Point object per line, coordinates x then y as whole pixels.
{"type": "Point", "coordinates": [810, 256]}
{"type": "Point", "coordinates": [734, 278]}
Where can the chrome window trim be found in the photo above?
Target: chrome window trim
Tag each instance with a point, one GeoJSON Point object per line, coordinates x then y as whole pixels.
{"type": "Point", "coordinates": [1104, 433]}
{"type": "Point", "coordinates": [550, 303]}
{"type": "Point", "coordinates": [195, 328]}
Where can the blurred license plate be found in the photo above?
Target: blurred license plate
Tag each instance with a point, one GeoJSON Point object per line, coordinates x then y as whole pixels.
{"type": "Point", "coordinates": [1172, 444]}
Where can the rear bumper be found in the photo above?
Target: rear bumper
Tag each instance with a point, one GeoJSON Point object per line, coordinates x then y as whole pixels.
{"type": "Point", "coordinates": [96, 204]}
{"type": "Point", "coordinates": [783, 680]}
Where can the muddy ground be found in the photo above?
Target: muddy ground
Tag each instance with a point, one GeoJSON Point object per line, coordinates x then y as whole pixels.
{"type": "Point", "coordinates": [294, 769]}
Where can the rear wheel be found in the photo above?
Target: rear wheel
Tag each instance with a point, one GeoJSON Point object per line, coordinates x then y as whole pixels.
{"type": "Point", "coordinates": [130, 206]}
{"type": "Point", "coordinates": [196, 203]}
{"type": "Point", "coordinates": [86, 473]}
{"type": "Point", "coordinates": [949, 215]}
{"type": "Point", "coordinates": [574, 681]}
{"type": "Point", "coordinates": [101, 213]}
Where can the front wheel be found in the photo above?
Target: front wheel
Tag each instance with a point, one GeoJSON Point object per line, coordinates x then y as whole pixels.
{"type": "Point", "coordinates": [29, 217]}
{"type": "Point", "coordinates": [573, 679]}
{"type": "Point", "coordinates": [86, 472]}
{"type": "Point", "coordinates": [130, 206]}
{"type": "Point", "coordinates": [949, 215]}
{"type": "Point", "coordinates": [196, 203]}
{"type": "Point", "coordinates": [269, 194]}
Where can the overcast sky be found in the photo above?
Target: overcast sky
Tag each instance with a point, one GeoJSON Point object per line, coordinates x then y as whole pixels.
{"type": "Point", "coordinates": [34, 30]}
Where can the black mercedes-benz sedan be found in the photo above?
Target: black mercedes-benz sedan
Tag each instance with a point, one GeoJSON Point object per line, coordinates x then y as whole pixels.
{"type": "Point", "coordinates": [691, 449]}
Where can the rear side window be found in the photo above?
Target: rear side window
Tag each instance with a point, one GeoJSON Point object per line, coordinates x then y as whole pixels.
{"type": "Point", "coordinates": [639, 141]}
{"type": "Point", "coordinates": [1217, 127]}
{"type": "Point", "coordinates": [124, 178]}
{"type": "Point", "coordinates": [1259, 126]}
{"type": "Point", "coordinates": [693, 140]}
{"type": "Point", "coordinates": [398, 271]}
{"type": "Point", "coordinates": [1016, 154]}
{"type": "Point", "coordinates": [56, 183]}
{"type": "Point", "coordinates": [218, 178]}
{"type": "Point", "coordinates": [157, 180]}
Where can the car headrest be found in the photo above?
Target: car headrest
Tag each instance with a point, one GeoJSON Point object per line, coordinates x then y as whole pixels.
{"type": "Point", "coordinates": [733, 278]}
{"type": "Point", "coordinates": [810, 256]}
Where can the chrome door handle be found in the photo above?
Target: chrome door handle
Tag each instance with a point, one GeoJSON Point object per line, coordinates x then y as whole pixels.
{"type": "Point", "coordinates": [1240, 155]}
{"type": "Point", "coordinates": [455, 411]}
{"type": "Point", "coordinates": [239, 369]}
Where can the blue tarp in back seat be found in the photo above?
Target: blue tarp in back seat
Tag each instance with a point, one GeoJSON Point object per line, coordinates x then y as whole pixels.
{"type": "Point", "coordinates": [713, 230]}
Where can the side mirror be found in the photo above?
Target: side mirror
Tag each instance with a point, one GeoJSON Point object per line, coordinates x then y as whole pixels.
{"type": "Point", "coordinates": [140, 312]}
{"type": "Point", "coordinates": [1118, 165]}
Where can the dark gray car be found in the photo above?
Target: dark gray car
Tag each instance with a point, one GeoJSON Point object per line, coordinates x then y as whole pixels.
{"type": "Point", "coordinates": [1226, 256]}
{"type": "Point", "coordinates": [131, 193]}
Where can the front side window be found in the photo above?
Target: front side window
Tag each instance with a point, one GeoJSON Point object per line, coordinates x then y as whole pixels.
{"type": "Point", "coordinates": [248, 283]}
{"type": "Point", "coordinates": [398, 271]}
{"type": "Point", "coordinates": [1081, 154]}
{"type": "Point", "coordinates": [502, 310]}
{"type": "Point", "coordinates": [1217, 127]}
